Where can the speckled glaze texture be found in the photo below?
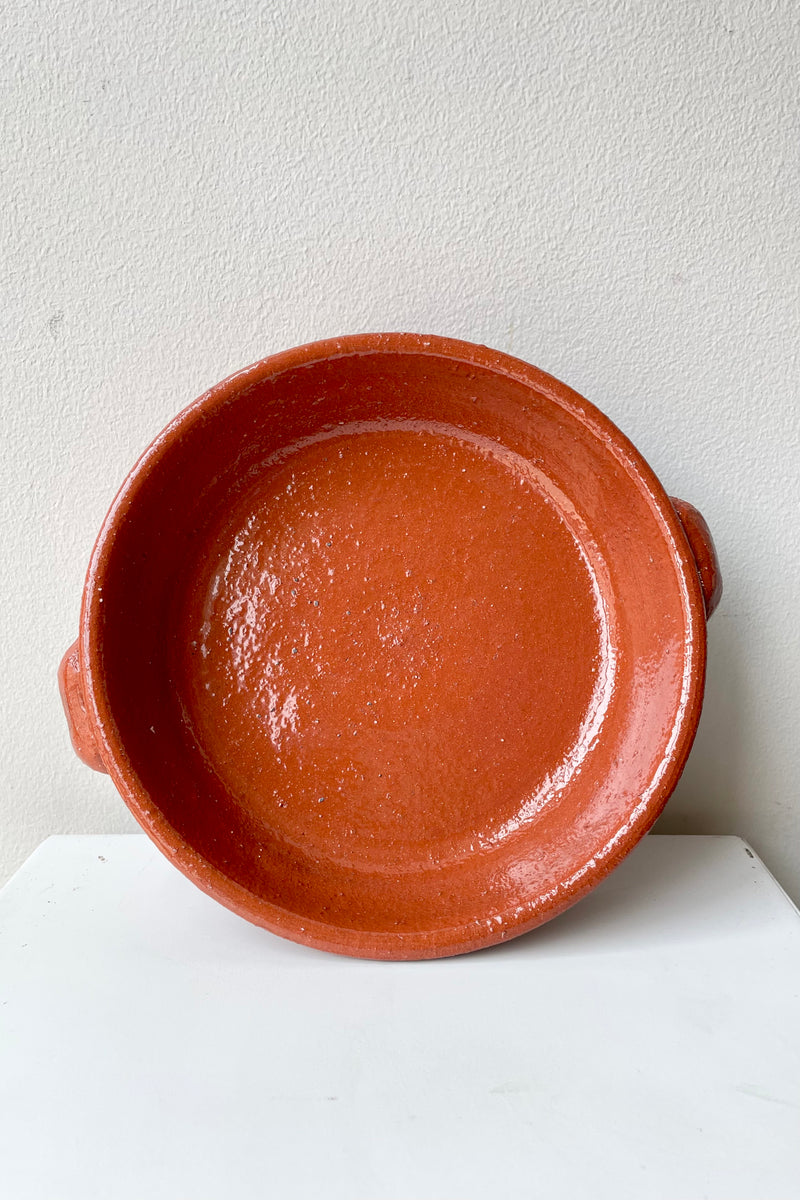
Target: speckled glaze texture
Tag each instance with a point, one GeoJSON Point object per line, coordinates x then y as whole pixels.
{"type": "Point", "coordinates": [394, 644]}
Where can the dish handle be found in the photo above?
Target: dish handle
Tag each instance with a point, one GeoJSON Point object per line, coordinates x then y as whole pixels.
{"type": "Point", "coordinates": [73, 697]}
{"type": "Point", "coordinates": [698, 535]}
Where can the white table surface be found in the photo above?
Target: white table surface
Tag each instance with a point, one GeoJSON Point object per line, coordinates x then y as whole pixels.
{"type": "Point", "coordinates": [646, 1044]}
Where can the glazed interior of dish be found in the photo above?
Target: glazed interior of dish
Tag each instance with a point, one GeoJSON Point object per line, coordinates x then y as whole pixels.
{"type": "Point", "coordinates": [395, 643]}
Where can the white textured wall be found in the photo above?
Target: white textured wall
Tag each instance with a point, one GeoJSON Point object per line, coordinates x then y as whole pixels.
{"type": "Point", "coordinates": [607, 189]}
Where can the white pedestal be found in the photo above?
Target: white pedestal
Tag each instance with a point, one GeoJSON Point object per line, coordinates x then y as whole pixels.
{"type": "Point", "coordinates": [155, 1047]}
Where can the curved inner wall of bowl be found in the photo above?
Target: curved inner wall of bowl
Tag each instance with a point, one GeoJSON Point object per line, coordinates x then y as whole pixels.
{"type": "Point", "coordinates": [394, 643]}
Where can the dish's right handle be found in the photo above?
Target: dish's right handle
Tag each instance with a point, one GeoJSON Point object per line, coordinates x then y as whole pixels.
{"type": "Point", "coordinates": [698, 535]}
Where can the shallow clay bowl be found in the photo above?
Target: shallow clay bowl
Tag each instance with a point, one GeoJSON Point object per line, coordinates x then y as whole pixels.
{"type": "Point", "coordinates": [393, 644]}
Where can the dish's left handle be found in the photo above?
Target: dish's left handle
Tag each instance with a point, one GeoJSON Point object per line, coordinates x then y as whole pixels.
{"type": "Point", "coordinates": [73, 697]}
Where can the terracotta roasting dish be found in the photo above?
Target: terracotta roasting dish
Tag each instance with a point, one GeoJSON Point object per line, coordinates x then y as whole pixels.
{"type": "Point", "coordinates": [393, 644]}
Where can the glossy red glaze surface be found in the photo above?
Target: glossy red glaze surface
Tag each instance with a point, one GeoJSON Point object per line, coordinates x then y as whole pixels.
{"type": "Point", "coordinates": [395, 645]}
